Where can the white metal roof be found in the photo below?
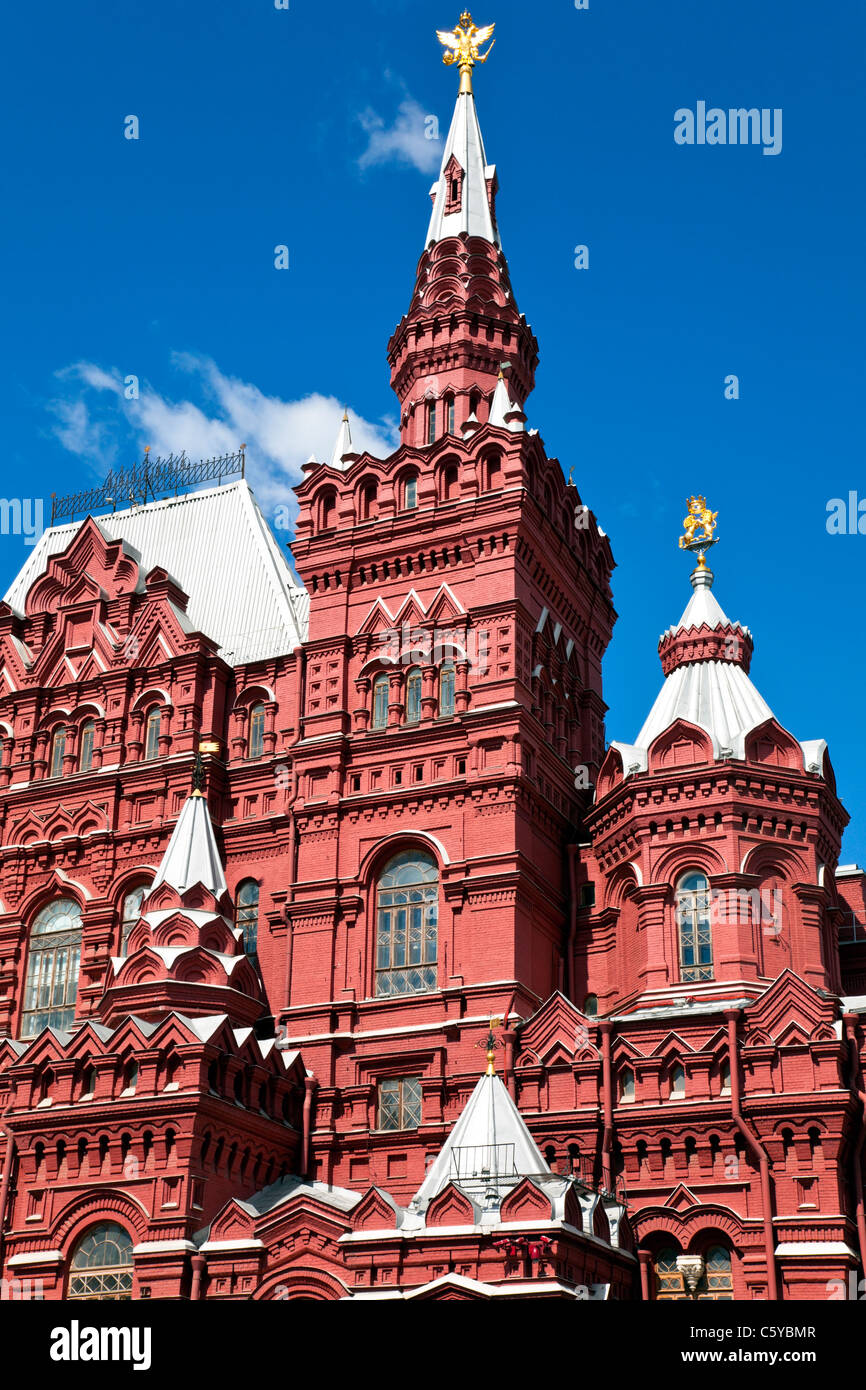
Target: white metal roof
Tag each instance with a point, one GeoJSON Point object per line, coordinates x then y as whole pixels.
{"type": "Point", "coordinates": [466, 145]}
{"type": "Point", "coordinates": [218, 546]}
{"type": "Point", "coordinates": [483, 1136]}
{"type": "Point", "coordinates": [192, 856]}
{"type": "Point", "coordinates": [717, 696]}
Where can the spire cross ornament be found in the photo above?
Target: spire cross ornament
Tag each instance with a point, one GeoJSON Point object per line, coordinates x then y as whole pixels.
{"type": "Point", "coordinates": [699, 527]}
{"type": "Point", "coordinates": [462, 45]}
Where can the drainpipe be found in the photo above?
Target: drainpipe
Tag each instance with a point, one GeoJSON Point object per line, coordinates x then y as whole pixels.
{"type": "Point", "coordinates": [311, 1086]}
{"type": "Point", "coordinates": [4, 1188]}
{"type": "Point", "coordinates": [198, 1268]}
{"type": "Point", "coordinates": [606, 1028]}
{"type": "Point", "coordinates": [759, 1152]}
{"type": "Point", "coordinates": [508, 1039]}
{"type": "Point", "coordinates": [572, 923]}
{"type": "Point", "coordinates": [851, 1021]}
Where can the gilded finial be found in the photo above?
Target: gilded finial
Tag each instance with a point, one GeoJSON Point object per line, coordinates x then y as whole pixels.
{"type": "Point", "coordinates": [699, 525]}
{"type": "Point", "coordinates": [462, 45]}
{"type": "Point", "coordinates": [490, 1046]}
{"type": "Point", "coordinates": [197, 775]}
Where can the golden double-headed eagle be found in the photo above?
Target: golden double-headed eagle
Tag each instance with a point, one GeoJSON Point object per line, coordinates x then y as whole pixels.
{"type": "Point", "coordinates": [462, 45]}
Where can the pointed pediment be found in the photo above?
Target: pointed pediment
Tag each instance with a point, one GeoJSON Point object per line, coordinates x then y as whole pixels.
{"type": "Point", "coordinates": [376, 1211]}
{"type": "Point", "coordinates": [234, 1222]}
{"type": "Point", "coordinates": [681, 1198]}
{"type": "Point", "coordinates": [788, 999]}
{"type": "Point", "coordinates": [450, 1207]}
{"type": "Point", "coordinates": [556, 1033]}
{"type": "Point", "coordinates": [525, 1202]}
{"type": "Point", "coordinates": [90, 564]}
{"type": "Point", "coordinates": [444, 609]}
{"type": "Point", "coordinates": [672, 1046]}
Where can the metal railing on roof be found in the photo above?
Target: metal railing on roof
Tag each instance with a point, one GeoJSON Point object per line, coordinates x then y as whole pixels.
{"type": "Point", "coordinates": [147, 481]}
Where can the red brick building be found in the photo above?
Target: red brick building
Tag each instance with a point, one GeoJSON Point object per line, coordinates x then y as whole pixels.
{"type": "Point", "coordinates": [243, 1026]}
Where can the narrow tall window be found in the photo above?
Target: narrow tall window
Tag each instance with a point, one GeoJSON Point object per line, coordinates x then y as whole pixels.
{"type": "Point", "coordinates": [58, 749]}
{"type": "Point", "coordinates": [449, 415]}
{"type": "Point", "coordinates": [626, 1086]}
{"type": "Point", "coordinates": [248, 914]}
{"type": "Point", "coordinates": [400, 1103]}
{"type": "Point", "coordinates": [446, 690]}
{"type": "Point", "coordinates": [152, 727]}
{"type": "Point", "coordinates": [678, 1083]}
{"type": "Point", "coordinates": [101, 1267]}
{"type": "Point", "coordinates": [257, 731]}
{"type": "Point", "coordinates": [380, 702]}
{"type": "Point", "coordinates": [85, 749]}
{"type": "Point", "coordinates": [410, 492]}
{"type": "Point", "coordinates": [328, 514]}
{"type": "Point", "coordinates": [407, 919]}
{"type": "Point", "coordinates": [431, 422]}
{"type": "Point", "coordinates": [695, 931]}
{"type": "Point", "coordinates": [413, 696]}
{"type": "Point", "coordinates": [52, 968]}
{"type": "Point", "coordinates": [131, 913]}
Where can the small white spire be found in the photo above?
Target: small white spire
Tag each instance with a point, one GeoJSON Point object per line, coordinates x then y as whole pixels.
{"type": "Point", "coordinates": [343, 445]}
{"type": "Point", "coordinates": [504, 413]}
{"type": "Point", "coordinates": [474, 176]}
{"type": "Point", "coordinates": [192, 856]}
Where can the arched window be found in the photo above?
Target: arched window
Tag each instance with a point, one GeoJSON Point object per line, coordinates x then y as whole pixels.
{"type": "Point", "coordinates": [678, 1082]}
{"type": "Point", "coordinates": [695, 932]}
{"type": "Point", "coordinates": [328, 511]}
{"type": "Point", "coordinates": [257, 731]}
{"type": "Point", "coordinates": [248, 914]}
{"type": "Point", "coordinates": [450, 486]}
{"type": "Point", "coordinates": [131, 913]}
{"type": "Point", "coordinates": [413, 696]}
{"type": "Point", "coordinates": [492, 473]}
{"type": "Point", "coordinates": [58, 749]}
{"type": "Point", "coordinates": [369, 501]}
{"type": "Point", "coordinates": [431, 422]}
{"type": "Point", "coordinates": [407, 918]}
{"type": "Point", "coordinates": [717, 1285]}
{"type": "Point", "coordinates": [410, 492]}
{"type": "Point", "coordinates": [446, 689]}
{"type": "Point", "coordinates": [626, 1086]}
{"type": "Point", "coordinates": [669, 1281]}
{"type": "Point", "coordinates": [380, 702]}
{"type": "Point", "coordinates": [101, 1267]}
{"type": "Point", "coordinates": [52, 968]}
{"type": "Point", "coordinates": [85, 747]}
{"type": "Point", "coordinates": [449, 415]}
{"type": "Point", "coordinates": [590, 1005]}
{"type": "Point", "coordinates": [152, 729]}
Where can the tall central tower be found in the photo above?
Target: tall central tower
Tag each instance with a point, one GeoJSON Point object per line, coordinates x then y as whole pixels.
{"type": "Point", "coordinates": [459, 610]}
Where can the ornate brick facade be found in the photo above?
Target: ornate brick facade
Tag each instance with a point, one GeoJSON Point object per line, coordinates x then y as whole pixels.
{"type": "Point", "coordinates": [411, 825]}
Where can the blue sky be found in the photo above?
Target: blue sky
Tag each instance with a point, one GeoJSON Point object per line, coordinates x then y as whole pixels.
{"type": "Point", "coordinates": [303, 127]}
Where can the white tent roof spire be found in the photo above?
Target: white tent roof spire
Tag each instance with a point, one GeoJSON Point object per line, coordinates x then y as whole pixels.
{"type": "Point", "coordinates": [192, 856]}
{"type": "Point", "coordinates": [462, 195]}
{"type": "Point", "coordinates": [489, 1148]}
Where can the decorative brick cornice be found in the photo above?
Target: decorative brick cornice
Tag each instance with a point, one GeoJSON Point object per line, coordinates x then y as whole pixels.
{"type": "Point", "coordinates": [730, 643]}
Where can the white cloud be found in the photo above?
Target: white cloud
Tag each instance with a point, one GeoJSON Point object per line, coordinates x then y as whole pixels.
{"type": "Point", "coordinates": [280, 435]}
{"type": "Point", "coordinates": [407, 141]}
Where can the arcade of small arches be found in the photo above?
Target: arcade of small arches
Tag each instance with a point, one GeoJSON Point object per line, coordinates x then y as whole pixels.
{"type": "Point", "coordinates": [69, 744]}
